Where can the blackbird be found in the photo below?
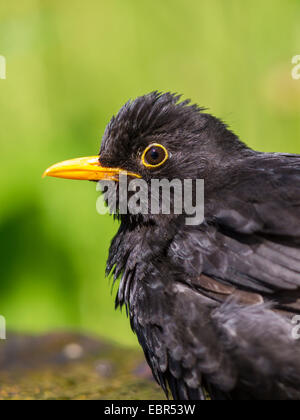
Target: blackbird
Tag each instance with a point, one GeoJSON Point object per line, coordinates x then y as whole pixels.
{"type": "Point", "coordinates": [214, 305]}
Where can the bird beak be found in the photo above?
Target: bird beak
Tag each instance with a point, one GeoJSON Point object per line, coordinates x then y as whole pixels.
{"type": "Point", "coordinates": [87, 168]}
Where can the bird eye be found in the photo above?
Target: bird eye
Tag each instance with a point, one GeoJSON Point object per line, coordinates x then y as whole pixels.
{"type": "Point", "coordinates": [154, 155]}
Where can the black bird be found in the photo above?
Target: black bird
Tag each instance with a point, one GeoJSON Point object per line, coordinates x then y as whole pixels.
{"type": "Point", "coordinates": [212, 305]}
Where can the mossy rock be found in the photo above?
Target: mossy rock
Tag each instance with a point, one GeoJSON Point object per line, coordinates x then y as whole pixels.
{"type": "Point", "coordinates": [64, 366]}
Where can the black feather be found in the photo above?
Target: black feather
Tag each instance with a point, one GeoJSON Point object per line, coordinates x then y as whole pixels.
{"type": "Point", "coordinates": [210, 304]}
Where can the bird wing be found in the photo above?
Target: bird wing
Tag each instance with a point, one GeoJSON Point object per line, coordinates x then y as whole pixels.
{"type": "Point", "coordinates": [262, 195]}
{"type": "Point", "coordinates": [180, 344]}
{"type": "Point", "coordinates": [195, 346]}
{"type": "Point", "coordinates": [249, 246]}
{"type": "Point", "coordinates": [216, 334]}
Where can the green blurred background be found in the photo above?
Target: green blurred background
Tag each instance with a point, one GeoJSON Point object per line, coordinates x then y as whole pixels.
{"type": "Point", "coordinates": [70, 66]}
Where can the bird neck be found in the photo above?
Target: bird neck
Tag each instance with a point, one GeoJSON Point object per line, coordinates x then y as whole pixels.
{"type": "Point", "coordinates": [138, 247]}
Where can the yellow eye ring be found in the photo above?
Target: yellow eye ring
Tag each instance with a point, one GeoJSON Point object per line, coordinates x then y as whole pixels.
{"type": "Point", "coordinates": [155, 152]}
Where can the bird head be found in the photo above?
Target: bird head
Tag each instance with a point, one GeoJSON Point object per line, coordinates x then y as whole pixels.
{"type": "Point", "coordinates": [157, 136]}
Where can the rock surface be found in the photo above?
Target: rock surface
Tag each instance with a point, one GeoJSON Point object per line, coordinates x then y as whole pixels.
{"type": "Point", "coordinates": [66, 366]}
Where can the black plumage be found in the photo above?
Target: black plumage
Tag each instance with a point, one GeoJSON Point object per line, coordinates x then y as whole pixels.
{"type": "Point", "coordinates": [211, 304]}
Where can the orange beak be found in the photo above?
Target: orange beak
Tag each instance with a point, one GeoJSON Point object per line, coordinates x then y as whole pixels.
{"type": "Point", "coordinates": [87, 168]}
